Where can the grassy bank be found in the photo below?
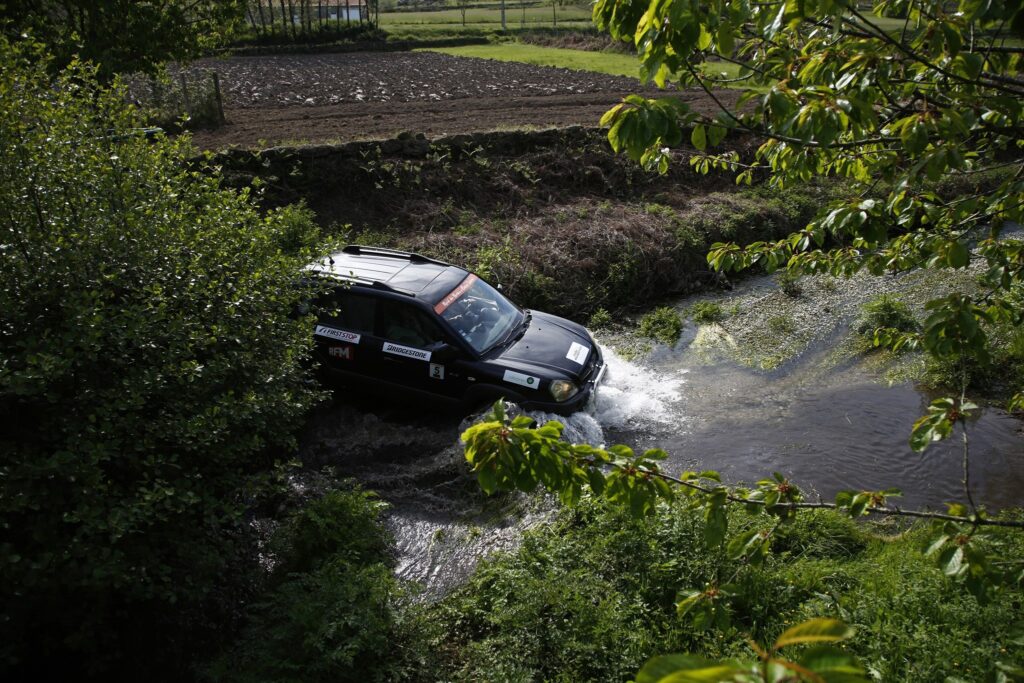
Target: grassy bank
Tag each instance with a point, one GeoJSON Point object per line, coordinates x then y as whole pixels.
{"type": "Point", "coordinates": [485, 19]}
{"type": "Point", "coordinates": [614, 63]}
{"type": "Point", "coordinates": [592, 597]}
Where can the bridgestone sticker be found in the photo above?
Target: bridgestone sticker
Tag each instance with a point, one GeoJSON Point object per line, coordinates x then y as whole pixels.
{"type": "Point", "coordinates": [407, 351]}
{"type": "Point", "coordinates": [335, 333]}
{"type": "Point", "coordinates": [454, 295]}
{"type": "Point", "coordinates": [578, 353]}
{"type": "Point", "coordinates": [521, 379]}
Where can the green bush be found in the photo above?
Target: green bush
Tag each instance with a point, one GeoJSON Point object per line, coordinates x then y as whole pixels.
{"type": "Point", "coordinates": [150, 363]}
{"type": "Point", "coordinates": [592, 596]}
{"type": "Point", "coordinates": [789, 282]}
{"type": "Point", "coordinates": [1000, 376]}
{"type": "Point", "coordinates": [341, 523]}
{"type": "Point", "coordinates": [329, 614]}
{"type": "Point", "coordinates": [781, 325]}
{"type": "Point", "coordinates": [706, 312]}
{"type": "Point", "coordinates": [600, 319]}
{"type": "Point", "coordinates": [663, 324]}
{"type": "Point", "coordinates": [886, 311]}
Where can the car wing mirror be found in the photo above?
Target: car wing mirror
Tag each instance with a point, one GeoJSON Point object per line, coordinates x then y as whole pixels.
{"type": "Point", "coordinates": [443, 352]}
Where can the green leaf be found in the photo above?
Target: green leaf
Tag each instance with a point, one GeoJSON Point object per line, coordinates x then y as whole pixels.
{"type": "Point", "coordinates": [725, 39]}
{"type": "Point", "coordinates": [951, 561]}
{"type": "Point", "coordinates": [686, 669]}
{"type": "Point", "coordinates": [833, 665]}
{"type": "Point", "coordinates": [914, 137]}
{"type": "Point", "coordinates": [958, 255]}
{"type": "Point", "coordinates": [740, 544]}
{"type": "Point", "coordinates": [859, 504]}
{"type": "Point", "coordinates": [487, 478]}
{"type": "Point", "coordinates": [716, 523]}
{"type": "Point", "coordinates": [699, 137]}
{"type": "Point", "coordinates": [936, 544]}
{"type": "Point", "coordinates": [821, 630]}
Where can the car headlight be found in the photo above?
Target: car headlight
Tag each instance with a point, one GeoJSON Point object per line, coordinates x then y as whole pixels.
{"type": "Point", "coordinates": [563, 390]}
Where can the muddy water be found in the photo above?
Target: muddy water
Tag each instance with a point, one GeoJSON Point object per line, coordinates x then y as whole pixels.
{"type": "Point", "coordinates": [823, 416]}
{"type": "Point", "coordinates": [828, 428]}
{"type": "Point", "coordinates": [441, 523]}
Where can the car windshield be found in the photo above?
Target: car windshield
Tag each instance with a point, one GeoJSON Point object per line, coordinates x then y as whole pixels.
{"type": "Point", "coordinates": [479, 313]}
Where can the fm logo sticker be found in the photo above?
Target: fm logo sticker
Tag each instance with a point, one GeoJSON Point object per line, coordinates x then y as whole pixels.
{"type": "Point", "coordinates": [343, 352]}
{"type": "Point", "coordinates": [521, 379]}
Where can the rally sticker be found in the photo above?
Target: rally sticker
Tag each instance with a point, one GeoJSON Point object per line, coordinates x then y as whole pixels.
{"type": "Point", "coordinates": [521, 379]}
{"type": "Point", "coordinates": [407, 351]}
{"type": "Point", "coordinates": [340, 335]}
{"type": "Point", "coordinates": [454, 295]}
{"type": "Point", "coordinates": [436, 371]}
{"type": "Point", "coordinates": [578, 353]}
{"type": "Point", "coordinates": [343, 352]}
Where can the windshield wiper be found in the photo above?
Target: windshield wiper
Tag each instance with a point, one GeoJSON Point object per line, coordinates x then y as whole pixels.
{"type": "Point", "coordinates": [527, 317]}
{"type": "Point", "coordinates": [516, 333]}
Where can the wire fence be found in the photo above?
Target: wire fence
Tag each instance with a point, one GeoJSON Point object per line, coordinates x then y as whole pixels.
{"type": "Point", "coordinates": [181, 99]}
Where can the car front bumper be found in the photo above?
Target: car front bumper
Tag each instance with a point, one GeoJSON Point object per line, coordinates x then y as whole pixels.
{"type": "Point", "coordinates": [588, 389]}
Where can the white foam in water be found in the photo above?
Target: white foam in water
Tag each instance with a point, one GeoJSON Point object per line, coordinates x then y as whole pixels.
{"type": "Point", "coordinates": [630, 396]}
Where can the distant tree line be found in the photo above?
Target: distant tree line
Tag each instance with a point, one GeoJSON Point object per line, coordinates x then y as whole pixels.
{"type": "Point", "coordinates": [300, 19]}
{"type": "Point", "coordinates": [122, 35]}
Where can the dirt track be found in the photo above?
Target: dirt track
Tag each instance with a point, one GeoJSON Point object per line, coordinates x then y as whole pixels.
{"type": "Point", "coordinates": [340, 97]}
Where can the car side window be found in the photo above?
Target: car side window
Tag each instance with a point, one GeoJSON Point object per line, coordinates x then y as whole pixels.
{"type": "Point", "coordinates": [358, 312]}
{"type": "Point", "coordinates": [348, 311]}
{"type": "Point", "coordinates": [404, 324]}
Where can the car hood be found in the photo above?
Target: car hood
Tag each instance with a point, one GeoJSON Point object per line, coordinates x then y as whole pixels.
{"type": "Point", "coordinates": [552, 343]}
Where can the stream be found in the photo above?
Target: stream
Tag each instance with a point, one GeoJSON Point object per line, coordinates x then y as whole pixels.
{"type": "Point", "coordinates": [740, 397]}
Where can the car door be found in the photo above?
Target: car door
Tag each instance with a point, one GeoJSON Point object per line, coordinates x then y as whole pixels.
{"type": "Point", "coordinates": [343, 333]}
{"type": "Point", "coordinates": [409, 339]}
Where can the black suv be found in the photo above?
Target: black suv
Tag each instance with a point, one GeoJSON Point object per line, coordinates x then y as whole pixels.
{"type": "Point", "coordinates": [401, 320]}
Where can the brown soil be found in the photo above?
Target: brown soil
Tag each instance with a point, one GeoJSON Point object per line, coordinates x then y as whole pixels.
{"type": "Point", "coordinates": [292, 99]}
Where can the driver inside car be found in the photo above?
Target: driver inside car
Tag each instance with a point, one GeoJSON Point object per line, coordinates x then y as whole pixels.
{"type": "Point", "coordinates": [404, 328]}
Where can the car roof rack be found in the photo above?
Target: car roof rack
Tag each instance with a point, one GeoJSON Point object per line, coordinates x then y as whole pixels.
{"type": "Point", "coordinates": [359, 280]}
{"type": "Point", "coordinates": [360, 250]}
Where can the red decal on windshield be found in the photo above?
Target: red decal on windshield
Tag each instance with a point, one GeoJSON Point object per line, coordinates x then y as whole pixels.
{"type": "Point", "coordinates": [454, 295]}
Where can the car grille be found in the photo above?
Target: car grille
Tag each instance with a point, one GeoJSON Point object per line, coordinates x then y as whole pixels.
{"type": "Point", "coordinates": [593, 364]}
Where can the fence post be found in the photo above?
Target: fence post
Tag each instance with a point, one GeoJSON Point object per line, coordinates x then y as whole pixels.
{"type": "Point", "coordinates": [158, 95]}
{"type": "Point", "coordinates": [184, 93]}
{"type": "Point", "coordinates": [220, 102]}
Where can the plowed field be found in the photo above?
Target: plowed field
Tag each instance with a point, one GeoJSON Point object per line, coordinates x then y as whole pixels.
{"type": "Point", "coordinates": [292, 99]}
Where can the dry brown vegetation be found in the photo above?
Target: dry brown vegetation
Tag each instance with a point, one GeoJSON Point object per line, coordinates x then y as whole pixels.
{"type": "Point", "coordinates": [562, 222]}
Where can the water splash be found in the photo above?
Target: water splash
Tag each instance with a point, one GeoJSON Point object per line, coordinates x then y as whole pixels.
{"type": "Point", "coordinates": [631, 397]}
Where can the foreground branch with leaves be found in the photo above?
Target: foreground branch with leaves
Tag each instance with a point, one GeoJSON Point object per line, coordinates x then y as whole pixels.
{"type": "Point", "coordinates": [821, 662]}
{"type": "Point", "coordinates": [916, 107]}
